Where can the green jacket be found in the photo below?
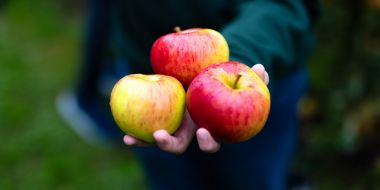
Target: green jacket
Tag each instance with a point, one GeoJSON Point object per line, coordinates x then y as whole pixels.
{"type": "Point", "coordinates": [276, 33]}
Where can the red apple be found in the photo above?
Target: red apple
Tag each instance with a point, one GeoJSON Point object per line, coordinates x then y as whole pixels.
{"type": "Point", "coordinates": [142, 104]}
{"type": "Point", "coordinates": [229, 100]}
{"type": "Point", "coordinates": [184, 54]}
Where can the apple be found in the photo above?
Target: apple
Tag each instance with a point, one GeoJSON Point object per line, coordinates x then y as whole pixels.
{"type": "Point", "coordinates": [142, 104]}
{"type": "Point", "coordinates": [229, 100]}
{"type": "Point", "coordinates": [184, 54]}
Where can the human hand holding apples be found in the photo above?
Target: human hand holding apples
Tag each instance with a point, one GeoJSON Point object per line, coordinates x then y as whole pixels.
{"type": "Point", "coordinates": [179, 55]}
{"type": "Point", "coordinates": [179, 141]}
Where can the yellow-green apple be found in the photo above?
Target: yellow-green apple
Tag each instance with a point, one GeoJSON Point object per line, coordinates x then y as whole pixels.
{"type": "Point", "coordinates": [229, 100]}
{"type": "Point", "coordinates": [184, 54]}
{"type": "Point", "coordinates": [142, 104]}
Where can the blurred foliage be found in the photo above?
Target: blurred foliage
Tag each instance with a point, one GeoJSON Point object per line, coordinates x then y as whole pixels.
{"type": "Point", "coordinates": [39, 46]}
{"type": "Point", "coordinates": [39, 51]}
{"type": "Point", "coordinates": [340, 116]}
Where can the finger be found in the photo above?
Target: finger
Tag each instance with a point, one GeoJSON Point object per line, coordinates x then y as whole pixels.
{"type": "Point", "coordinates": [259, 70]}
{"type": "Point", "coordinates": [266, 78]}
{"type": "Point", "coordinates": [206, 142]}
{"type": "Point", "coordinates": [168, 143]}
{"type": "Point", "coordinates": [186, 132]}
{"type": "Point", "coordinates": [180, 140]}
{"type": "Point", "coordinates": [131, 141]}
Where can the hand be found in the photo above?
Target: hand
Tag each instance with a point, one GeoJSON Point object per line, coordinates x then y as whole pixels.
{"type": "Point", "coordinates": [180, 140]}
{"type": "Point", "coordinates": [263, 74]}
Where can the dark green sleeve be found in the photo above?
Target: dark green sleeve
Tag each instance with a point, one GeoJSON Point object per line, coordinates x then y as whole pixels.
{"type": "Point", "coordinates": [275, 33]}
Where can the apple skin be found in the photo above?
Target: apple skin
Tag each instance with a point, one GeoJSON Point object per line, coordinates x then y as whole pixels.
{"type": "Point", "coordinates": [142, 104]}
{"type": "Point", "coordinates": [184, 54]}
{"type": "Point", "coordinates": [232, 108]}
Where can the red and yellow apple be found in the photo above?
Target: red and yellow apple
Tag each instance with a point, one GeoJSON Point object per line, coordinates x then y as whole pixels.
{"type": "Point", "coordinates": [229, 100]}
{"type": "Point", "coordinates": [184, 54]}
{"type": "Point", "coordinates": [142, 104]}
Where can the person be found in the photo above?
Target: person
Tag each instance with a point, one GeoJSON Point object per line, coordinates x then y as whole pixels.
{"type": "Point", "coordinates": [276, 33]}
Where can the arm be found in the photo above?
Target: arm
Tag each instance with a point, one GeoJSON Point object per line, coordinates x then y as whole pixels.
{"type": "Point", "coordinates": [94, 45]}
{"type": "Point", "coordinates": [275, 33]}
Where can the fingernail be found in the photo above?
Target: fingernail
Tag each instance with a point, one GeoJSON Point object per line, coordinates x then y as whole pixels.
{"type": "Point", "coordinates": [128, 141]}
{"type": "Point", "coordinates": [259, 66]}
{"type": "Point", "coordinates": [204, 137]}
{"type": "Point", "coordinates": [160, 138]}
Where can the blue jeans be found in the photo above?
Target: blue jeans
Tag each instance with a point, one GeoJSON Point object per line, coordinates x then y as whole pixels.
{"type": "Point", "coordinates": [260, 163]}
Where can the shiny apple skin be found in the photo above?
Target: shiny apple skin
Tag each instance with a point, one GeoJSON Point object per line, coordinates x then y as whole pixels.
{"type": "Point", "coordinates": [184, 54]}
{"type": "Point", "coordinates": [231, 111]}
{"type": "Point", "coordinates": [142, 104]}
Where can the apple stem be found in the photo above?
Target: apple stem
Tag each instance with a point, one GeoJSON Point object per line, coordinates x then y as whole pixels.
{"type": "Point", "coordinates": [237, 80]}
{"type": "Point", "coordinates": [177, 29]}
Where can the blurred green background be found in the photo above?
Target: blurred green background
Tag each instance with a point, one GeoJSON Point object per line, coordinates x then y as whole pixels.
{"type": "Point", "coordinates": [40, 45]}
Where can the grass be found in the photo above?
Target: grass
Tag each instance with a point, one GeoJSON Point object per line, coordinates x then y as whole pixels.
{"type": "Point", "coordinates": [39, 56]}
